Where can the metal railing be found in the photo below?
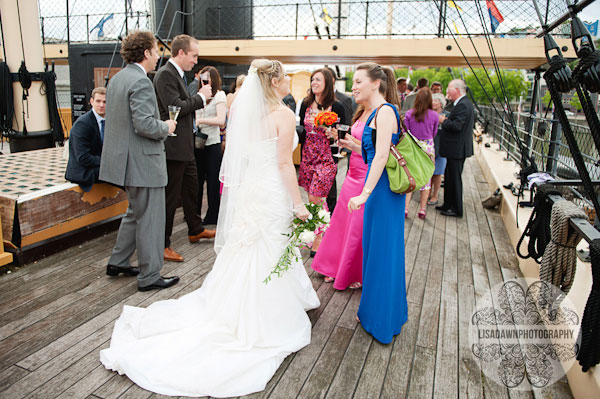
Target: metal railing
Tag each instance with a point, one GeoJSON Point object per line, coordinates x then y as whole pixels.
{"type": "Point", "coordinates": [542, 138]}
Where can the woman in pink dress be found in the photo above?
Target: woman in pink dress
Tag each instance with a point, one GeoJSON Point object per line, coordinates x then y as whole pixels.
{"type": "Point", "coordinates": [340, 257]}
{"type": "Point", "coordinates": [340, 253]}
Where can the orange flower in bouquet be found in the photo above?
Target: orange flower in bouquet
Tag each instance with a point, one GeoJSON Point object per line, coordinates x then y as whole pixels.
{"type": "Point", "coordinates": [326, 118]}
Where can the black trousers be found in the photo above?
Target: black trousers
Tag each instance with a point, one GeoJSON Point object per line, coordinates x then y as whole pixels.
{"type": "Point", "coordinates": [453, 188]}
{"type": "Point", "coordinates": [182, 188]}
{"type": "Point", "coordinates": [208, 163]}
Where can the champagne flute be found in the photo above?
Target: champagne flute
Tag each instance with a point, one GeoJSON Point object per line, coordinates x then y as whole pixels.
{"type": "Point", "coordinates": [173, 114]}
{"type": "Point", "coordinates": [342, 130]}
{"type": "Point", "coordinates": [312, 114]}
{"type": "Point", "coordinates": [334, 142]}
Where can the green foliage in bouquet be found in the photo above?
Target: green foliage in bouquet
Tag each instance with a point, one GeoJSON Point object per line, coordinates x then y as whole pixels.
{"type": "Point", "coordinates": [303, 234]}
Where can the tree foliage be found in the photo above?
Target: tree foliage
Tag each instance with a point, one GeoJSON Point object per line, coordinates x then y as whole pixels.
{"type": "Point", "coordinates": [575, 102]}
{"type": "Point", "coordinates": [514, 82]}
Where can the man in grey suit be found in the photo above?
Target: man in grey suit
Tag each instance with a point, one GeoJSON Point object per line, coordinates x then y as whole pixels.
{"type": "Point", "coordinates": [133, 156]}
{"type": "Point", "coordinates": [409, 101]}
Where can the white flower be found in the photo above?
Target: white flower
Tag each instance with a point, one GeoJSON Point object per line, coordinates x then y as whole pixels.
{"type": "Point", "coordinates": [252, 71]}
{"type": "Point", "coordinates": [324, 215]}
{"type": "Point", "coordinates": [309, 216]}
{"type": "Point", "coordinates": [307, 237]}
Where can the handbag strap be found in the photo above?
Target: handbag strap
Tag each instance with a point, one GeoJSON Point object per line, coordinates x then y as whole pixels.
{"type": "Point", "coordinates": [402, 130]}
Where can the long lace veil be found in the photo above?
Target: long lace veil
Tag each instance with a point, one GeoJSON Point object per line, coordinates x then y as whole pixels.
{"type": "Point", "coordinates": [247, 126]}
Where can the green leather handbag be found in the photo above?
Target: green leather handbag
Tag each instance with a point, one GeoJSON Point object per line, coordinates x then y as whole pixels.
{"type": "Point", "coordinates": [409, 165]}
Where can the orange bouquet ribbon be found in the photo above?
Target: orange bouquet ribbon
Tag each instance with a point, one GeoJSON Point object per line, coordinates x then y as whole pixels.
{"type": "Point", "coordinates": [326, 118]}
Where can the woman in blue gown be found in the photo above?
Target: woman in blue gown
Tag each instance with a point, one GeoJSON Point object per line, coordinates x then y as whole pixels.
{"type": "Point", "coordinates": [383, 309]}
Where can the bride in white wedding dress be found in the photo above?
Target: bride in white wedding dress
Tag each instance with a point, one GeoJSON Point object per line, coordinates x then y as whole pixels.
{"type": "Point", "coordinates": [229, 337]}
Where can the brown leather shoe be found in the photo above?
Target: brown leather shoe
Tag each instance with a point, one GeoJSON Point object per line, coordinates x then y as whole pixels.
{"type": "Point", "coordinates": [172, 256]}
{"type": "Point", "coordinates": [205, 234]}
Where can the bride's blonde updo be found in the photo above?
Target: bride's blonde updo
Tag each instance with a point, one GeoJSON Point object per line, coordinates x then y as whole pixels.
{"type": "Point", "coordinates": [266, 71]}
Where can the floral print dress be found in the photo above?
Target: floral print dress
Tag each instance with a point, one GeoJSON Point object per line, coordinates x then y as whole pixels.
{"type": "Point", "coordinates": [317, 168]}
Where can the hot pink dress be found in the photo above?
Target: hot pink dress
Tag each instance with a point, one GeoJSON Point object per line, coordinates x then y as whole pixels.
{"type": "Point", "coordinates": [340, 253]}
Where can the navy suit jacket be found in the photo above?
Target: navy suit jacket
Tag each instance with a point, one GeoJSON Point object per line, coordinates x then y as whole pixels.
{"type": "Point", "coordinates": [85, 148]}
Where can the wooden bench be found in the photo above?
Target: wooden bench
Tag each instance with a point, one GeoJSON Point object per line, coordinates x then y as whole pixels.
{"type": "Point", "coordinates": [37, 204]}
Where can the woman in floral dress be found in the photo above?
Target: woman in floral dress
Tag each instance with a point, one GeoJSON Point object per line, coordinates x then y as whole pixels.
{"type": "Point", "coordinates": [317, 168]}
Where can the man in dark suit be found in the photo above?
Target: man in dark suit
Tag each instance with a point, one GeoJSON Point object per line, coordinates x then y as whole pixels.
{"type": "Point", "coordinates": [133, 156]}
{"type": "Point", "coordinates": [85, 143]}
{"type": "Point", "coordinates": [171, 89]}
{"type": "Point", "coordinates": [456, 144]}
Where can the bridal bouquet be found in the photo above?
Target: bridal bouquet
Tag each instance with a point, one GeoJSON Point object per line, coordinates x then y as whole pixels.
{"type": "Point", "coordinates": [326, 118]}
{"type": "Point", "coordinates": [303, 235]}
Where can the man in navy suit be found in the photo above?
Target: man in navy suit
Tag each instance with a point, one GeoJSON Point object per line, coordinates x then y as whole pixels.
{"type": "Point", "coordinates": [85, 143]}
{"type": "Point", "coordinates": [456, 144]}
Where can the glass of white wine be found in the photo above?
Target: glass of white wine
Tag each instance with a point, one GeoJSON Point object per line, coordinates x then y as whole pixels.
{"type": "Point", "coordinates": [173, 114]}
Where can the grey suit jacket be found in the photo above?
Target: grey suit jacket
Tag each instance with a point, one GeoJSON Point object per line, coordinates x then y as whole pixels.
{"type": "Point", "coordinates": [133, 153]}
{"type": "Point", "coordinates": [409, 102]}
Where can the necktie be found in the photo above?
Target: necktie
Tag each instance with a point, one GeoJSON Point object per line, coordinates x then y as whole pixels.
{"type": "Point", "coordinates": [185, 80]}
{"type": "Point", "coordinates": [102, 130]}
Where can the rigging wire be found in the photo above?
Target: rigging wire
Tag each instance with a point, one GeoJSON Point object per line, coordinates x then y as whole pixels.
{"type": "Point", "coordinates": [504, 99]}
{"type": "Point", "coordinates": [479, 81]}
{"type": "Point", "coordinates": [314, 19]}
{"type": "Point", "coordinates": [526, 169]}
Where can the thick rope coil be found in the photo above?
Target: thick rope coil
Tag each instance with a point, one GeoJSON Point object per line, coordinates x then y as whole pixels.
{"type": "Point", "coordinates": [538, 227]}
{"type": "Point", "coordinates": [589, 334]}
{"type": "Point", "coordinates": [560, 258]}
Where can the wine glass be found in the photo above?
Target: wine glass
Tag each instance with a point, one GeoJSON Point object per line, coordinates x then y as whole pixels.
{"type": "Point", "coordinates": [342, 130]}
{"type": "Point", "coordinates": [173, 114]}
{"type": "Point", "coordinates": [312, 114]}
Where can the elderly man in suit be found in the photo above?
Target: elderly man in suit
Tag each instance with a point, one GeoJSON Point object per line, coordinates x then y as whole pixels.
{"type": "Point", "coordinates": [133, 156]}
{"type": "Point", "coordinates": [456, 144]}
{"type": "Point", "coordinates": [171, 89]}
{"type": "Point", "coordinates": [85, 143]}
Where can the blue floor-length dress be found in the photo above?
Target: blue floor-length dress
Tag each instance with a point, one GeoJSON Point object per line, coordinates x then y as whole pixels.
{"type": "Point", "coordinates": [383, 308]}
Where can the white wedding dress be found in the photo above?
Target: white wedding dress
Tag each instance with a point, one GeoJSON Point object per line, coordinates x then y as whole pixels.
{"type": "Point", "coordinates": [228, 337]}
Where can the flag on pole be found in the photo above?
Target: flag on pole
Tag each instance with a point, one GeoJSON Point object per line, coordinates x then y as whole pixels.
{"type": "Point", "coordinates": [325, 16]}
{"type": "Point", "coordinates": [592, 28]}
{"type": "Point", "coordinates": [456, 29]}
{"type": "Point", "coordinates": [495, 17]}
{"type": "Point", "coordinates": [454, 5]}
{"type": "Point", "coordinates": [100, 25]}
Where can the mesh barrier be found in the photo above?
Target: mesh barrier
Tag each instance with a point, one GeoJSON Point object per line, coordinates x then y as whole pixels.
{"type": "Point", "coordinates": [89, 21]}
{"type": "Point", "coordinates": [79, 21]}
{"type": "Point", "coordinates": [383, 19]}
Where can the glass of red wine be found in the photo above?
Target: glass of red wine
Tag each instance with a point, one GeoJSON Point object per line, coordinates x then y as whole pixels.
{"type": "Point", "coordinates": [342, 130]}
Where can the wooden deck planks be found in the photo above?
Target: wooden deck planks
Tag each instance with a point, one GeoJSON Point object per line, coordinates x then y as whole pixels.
{"type": "Point", "coordinates": [64, 307]}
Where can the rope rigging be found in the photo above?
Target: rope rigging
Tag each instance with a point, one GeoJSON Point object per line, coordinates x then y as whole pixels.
{"type": "Point", "coordinates": [510, 130]}
{"type": "Point", "coordinates": [589, 334]}
{"type": "Point", "coordinates": [560, 258]}
{"type": "Point", "coordinates": [24, 75]}
{"type": "Point", "coordinates": [527, 164]}
{"type": "Point", "coordinates": [538, 226]}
